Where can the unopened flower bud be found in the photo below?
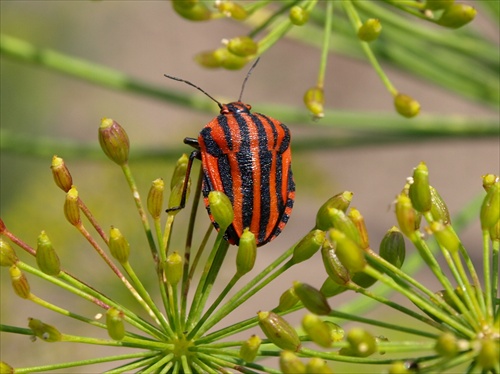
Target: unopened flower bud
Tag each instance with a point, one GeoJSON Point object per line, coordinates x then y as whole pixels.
{"type": "Point", "coordinates": [155, 198]}
{"type": "Point", "coordinates": [298, 15]}
{"type": "Point", "coordinates": [228, 60]}
{"type": "Point", "coordinates": [445, 236]}
{"type": "Point", "coordinates": [340, 201]}
{"type": "Point", "coordinates": [334, 268]}
{"type": "Point", "coordinates": [314, 98]}
{"type": "Point", "coordinates": [392, 247]}
{"type": "Point", "coordinates": [61, 174]}
{"type": "Point", "coordinates": [495, 231]}
{"type": "Point", "coordinates": [419, 191]}
{"type": "Point", "coordinates": [398, 367]}
{"type": "Point", "coordinates": [193, 10]}
{"type": "Point", "coordinates": [174, 268]}
{"type": "Point", "coordinates": [71, 207]}
{"type": "Point", "coordinates": [8, 256]}
{"type": "Point", "coordinates": [247, 253]}
{"type": "Point", "coordinates": [406, 105]}
{"type": "Point", "coordinates": [331, 288]}
{"type": "Point", "coordinates": [313, 299]}
{"type": "Point", "coordinates": [114, 324]}
{"type": "Point", "coordinates": [489, 354]}
{"type": "Point", "coordinates": [209, 59]}
{"type": "Point", "coordinates": [114, 141]}
{"type": "Point", "coordinates": [336, 331]}
{"type": "Point", "coordinates": [180, 170]}
{"type": "Point", "coordinates": [318, 331]}
{"type": "Point", "coordinates": [279, 331]}
{"type": "Point", "coordinates": [44, 331]}
{"type": "Point", "coordinates": [5, 368]}
{"type": "Point", "coordinates": [231, 9]}
{"type": "Point", "coordinates": [118, 246]}
{"type": "Point", "coordinates": [291, 364]}
{"type": "Point", "coordinates": [489, 180]}
{"type": "Point", "coordinates": [446, 345]}
{"type": "Point", "coordinates": [19, 282]}
{"type": "Point", "coordinates": [361, 342]}
{"type": "Point", "coordinates": [250, 348]}
{"type": "Point", "coordinates": [221, 209]}
{"type": "Point", "coordinates": [490, 209]}
{"type": "Point", "coordinates": [457, 15]}
{"type": "Point", "coordinates": [358, 220]}
{"type": "Point", "coordinates": [370, 30]}
{"type": "Point", "coordinates": [348, 252]}
{"type": "Point", "coordinates": [308, 246]}
{"type": "Point", "coordinates": [344, 224]}
{"type": "Point", "coordinates": [174, 200]}
{"type": "Point", "coordinates": [46, 256]}
{"type": "Point", "coordinates": [439, 209]}
{"type": "Point", "coordinates": [438, 4]}
{"type": "Point", "coordinates": [317, 365]}
{"type": "Point", "coordinates": [363, 280]}
{"type": "Point", "coordinates": [405, 215]}
{"type": "Point", "coordinates": [243, 46]}
{"type": "Point", "coordinates": [288, 299]}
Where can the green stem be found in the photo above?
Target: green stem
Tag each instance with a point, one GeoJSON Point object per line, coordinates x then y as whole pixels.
{"type": "Point", "coordinates": [326, 44]}
{"type": "Point", "coordinates": [487, 276]}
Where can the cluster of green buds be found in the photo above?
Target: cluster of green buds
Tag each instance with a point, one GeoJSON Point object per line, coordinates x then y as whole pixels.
{"type": "Point", "coordinates": [269, 21]}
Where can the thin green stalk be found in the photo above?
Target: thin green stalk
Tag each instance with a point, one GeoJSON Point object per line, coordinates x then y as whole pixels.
{"type": "Point", "coordinates": [487, 276]}
{"type": "Point", "coordinates": [326, 44]}
{"type": "Point", "coordinates": [127, 368]}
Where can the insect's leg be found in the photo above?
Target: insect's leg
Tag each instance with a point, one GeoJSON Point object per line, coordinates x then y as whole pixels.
{"type": "Point", "coordinates": [182, 204]}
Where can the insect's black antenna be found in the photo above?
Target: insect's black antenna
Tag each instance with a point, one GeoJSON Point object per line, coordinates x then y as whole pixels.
{"type": "Point", "coordinates": [195, 86]}
{"type": "Point", "coordinates": [248, 76]}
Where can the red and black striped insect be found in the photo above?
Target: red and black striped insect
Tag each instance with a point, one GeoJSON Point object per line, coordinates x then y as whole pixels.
{"type": "Point", "coordinates": [247, 156]}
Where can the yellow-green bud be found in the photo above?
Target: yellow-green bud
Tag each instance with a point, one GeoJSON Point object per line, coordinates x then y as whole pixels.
{"type": "Point", "coordinates": [445, 236]}
{"type": "Point", "coordinates": [228, 60]}
{"type": "Point", "coordinates": [313, 299]}
{"type": "Point", "coordinates": [46, 256]}
{"type": "Point", "coordinates": [336, 331]}
{"type": "Point", "coordinates": [370, 30]}
{"type": "Point", "coordinates": [288, 299]}
{"type": "Point", "coordinates": [155, 198]}
{"type": "Point", "coordinates": [358, 220]}
{"type": "Point", "coordinates": [209, 59]}
{"type": "Point", "coordinates": [406, 105]}
{"type": "Point", "coordinates": [398, 367]}
{"type": "Point", "coordinates": [495, 231]}
{"type": "Point", "coordinates": [118, 246]}
{"type": "Point", "coordinates": [221, 209]}
{"type": "Point", "coordinates": [439, 210]}
{"type": "Point", "coordinates": [457, 16]}
{"type": "Point", "coordinates": [291, 364]}
{"type": "Point", "coordinates": [114, 141]}
{"type": "Point", "coordinates": [361, 342]}
{"type": "Point", "coordinates": [8, 256]}
{"type": "Point", "coordinates": [247, 253]}
{"type": "Point", "coordinates": [317, 330]}
{"type": "Point", "coordinates": [250, 348]}
{"type": "Point", "coordinates": [308, 246]}
{"type": "Point", "coordinates": [192, 10]}
{"type": "Point", "coordinates": [114, 324]}
{"type": "Point", "coordinates": [19, 282]}
{"type": "Point", "coordinates": [298, 15]}
{"type": "Point", "coordinates": [174, 200]}
{"type": "Point", "coordinates": [490, 209]}
{"type": "Point", "coordinates": [243, 46]}
{"type": "Point", "coordinates": [419, 191]}
{"type": "Point", "coordinates": [279, 331]}
{"type": "Point", "coordinates": [489, 180]}
{"type": "Point", "coordinates": [61, 174]}
{"type": "Point", "coordinates": [323, 217]}
{"type": "Point", "coordinates": [44, 331]}
{"type": "Point", "coordinates": [489, 354]}
{"type": "Point", "coordinates": [174, 268]}
{"type": "Point", "coordinates": [314, 98]}
{"type": "Point", "coordinates": [317, 365]}
{"type": "Point", "coordinates": [71, 207]}
{"type": "Point", "coordinates": [344, 224]}
{"type": "Point", "coordinates": [446, 345]}
{"type": "Point", "coordinates": [405, 215]}
{"type": "Point", "coordinates": [348, 252]}
{"type": "Point", "coordinates": [363, 280]}
{"type": "Point", "coordinates": [331, 288]}
{"type": "Point", "coordinates": [180, 170]}
{"type": "Point", "coordinates": [438, 4]}
{"type": "Point", "coordinates": [5, 368]}
{"type": "Point", "coordinates": [334, 268]}
{"type": "Point", "coordinates": [392, 247]}
{"type": "Point", "coordinates": [231, 9]}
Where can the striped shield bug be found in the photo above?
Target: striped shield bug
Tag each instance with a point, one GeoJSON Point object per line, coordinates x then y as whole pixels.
{"type": "Point", "coordinates": [246, 156]}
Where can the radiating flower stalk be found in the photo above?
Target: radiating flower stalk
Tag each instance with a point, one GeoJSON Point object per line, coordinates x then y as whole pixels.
{"type": "Point", "coordinates": [455, 325]}
{"type": "Point", "coordinates": [271, 20]}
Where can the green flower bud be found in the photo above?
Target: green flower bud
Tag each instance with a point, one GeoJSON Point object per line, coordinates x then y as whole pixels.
{"type": "Point", "coordinates": [193, 10]}
{"type": "Point", "coordinates": [298, 15]}
{"type": "Point", "coordinates": [242, 46]}
{"type": "Point", "coordinates": [446, 345]}
{"type": "Point", "coordinates": [438, 4]}
{"type": "Point", "coordinates": [209, 59]}
{"type": "Point", "coordinates": [308, 246]}
{"type": "Point", "coordinates": [19, 282]}
{"type": "Point", "coordinates": [331, 288]}
{"type": "Point", "coordinates": [336, 331]}
{"type": "Point", "coordinates": [445, 236]}
{"type": "Point", "coordinates": [288, 299]}
{"type": "Point", "coordinates": [405, 215]}
{"type": "Point", "coordinates": [358, 220]}
{"type": "Point", "coordinates": [363, 280]}
{"type": "Point", "coordinates": [5, 368]}
{"type": "Point", "coordinates": [317, 365]}
{"type": "Point", "coordinates": [392, 247]}
{"type": "Point", "coordinates": [71, 207]}
{"type": "Point", "coordinates": [290, 363]}
{"type": "Point", "coordinates": [279, 331]}
{"type": "Point", "coordinates": [490, 209]}
{"type": "Point", "coordinates": [8, 256]}
{"type": "Point", "coordinates": [61, 174]}
{"type": "Point", "coordinates": [314, 98]}
{"type": "Point", "coordinates": [489, 355]}
{"type": "Point", "coordinates": [46, 257]}
{"type": "Point", "coordinates": [495, 231]}
{"type": "Point", "coordinates": [118, 246]}
{"type": "Point", "coordinates": [250, 348]}
{"type": "Point", "coordinates": [439, 210]}
{"type": "Point", "coordinates": [231, 9]}
{"type": "Point", "coordinates": [419, 191]}
{"type": "Point", "coordinates": [174, 200]}
{"type": "Point", "coordinates": [44, 331]}
{"type": "Point", "coordinates": [228, 60]}
{"type": "Point", "coordinates": [489, 180]}
{"type": "Point", "coordinates": [340, 201]}
{"type": "Point", "coordinates": [457, 15]}
{"type": "Point", "coordinates": [341, 222]}
{"type": "Point", "coordinates": [155, 198]}
{"type": "Point", "coordinates": [370, 30]}
{"type": "Point", "coordinates": [348, 252]}
{"type": "Point", "coordinates": [174, 268]}
{"type": "Point", "coordinates": [361, 342]}
{"type": "Point", "coordinates": [247, 253]}
{"type": "Point", "coordinates": [398, 367]}
{"type": "Point", "coordinates": [313, 299]}
{"type": "Point", "coordinates": [114, 141]}
{"type": "Point", "coordinates": [337, 272]}
{"type": "Point", "coordinates": [180, 170]}
{"type": "Point", "coordinates": [221, 209]}
{"type": "Point", "coordinates": [317, 330]}
{"type": "Point", "coordinates": [114, 324]}
{"type": "Point", "coordinates": [406, 105]}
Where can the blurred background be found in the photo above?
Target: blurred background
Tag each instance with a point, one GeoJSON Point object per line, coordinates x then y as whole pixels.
{"type": "Point", "coordinates": [145, 40]}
